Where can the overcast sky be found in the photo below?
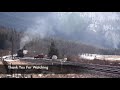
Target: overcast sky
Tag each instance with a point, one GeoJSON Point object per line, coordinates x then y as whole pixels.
{"type": "Point", "coordinates": [25, 18]}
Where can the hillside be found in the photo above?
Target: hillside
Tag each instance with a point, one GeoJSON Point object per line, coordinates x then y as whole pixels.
{"type": "Point", "coordinates": [41, 45]}
{"type": "Point", "coordinates": [100, 29]}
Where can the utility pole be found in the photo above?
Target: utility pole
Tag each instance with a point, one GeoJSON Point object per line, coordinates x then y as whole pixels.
{"type": "Point", "coordinates": [12, 44]}
{"type": "Point", "coordinates": [1, 55]}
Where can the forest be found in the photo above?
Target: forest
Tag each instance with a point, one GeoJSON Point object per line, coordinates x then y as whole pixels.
{"type": "Point", "coordinates": [10, 37]}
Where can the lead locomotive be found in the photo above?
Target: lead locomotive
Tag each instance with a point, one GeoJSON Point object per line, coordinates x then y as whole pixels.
{"type": "Point", "coordinates": [20, 53]}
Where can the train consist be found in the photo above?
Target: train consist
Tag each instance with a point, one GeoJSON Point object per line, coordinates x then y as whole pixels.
{"type": "Point", "coordinates": [21, 53]}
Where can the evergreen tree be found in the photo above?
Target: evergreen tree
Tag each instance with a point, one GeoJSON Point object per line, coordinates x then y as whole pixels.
{"type": "Point", "coordinates": [53, 50]}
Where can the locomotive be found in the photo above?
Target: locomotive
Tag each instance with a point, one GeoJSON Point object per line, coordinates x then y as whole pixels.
{"type": "Point", "coordinates": [20, 53]}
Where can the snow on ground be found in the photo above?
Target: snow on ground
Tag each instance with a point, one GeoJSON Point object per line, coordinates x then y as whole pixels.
{"type": "Point", "coordinates": [27, 58]}
{"type": "Point", "coordinates": [9, 58]}
{"type": "Point", "coordinates": [112, 59]}
{"type": "Point", "coordinates": [101, 57]}
{"type": "Point", "coordinates": [91, 56]}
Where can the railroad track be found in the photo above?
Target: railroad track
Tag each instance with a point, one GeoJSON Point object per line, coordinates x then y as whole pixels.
{"type": "Point", "coordinates": [94, 67]}
{"type": "Point", "coordinates": [104, 68]}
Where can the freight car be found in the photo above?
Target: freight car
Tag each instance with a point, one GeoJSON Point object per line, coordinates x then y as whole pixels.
{"type": "Point", "coordinates": [39, 56]}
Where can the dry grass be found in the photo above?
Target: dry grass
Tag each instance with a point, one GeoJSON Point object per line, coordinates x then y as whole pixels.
{"type": "Point", "coordinates": [85, 75]}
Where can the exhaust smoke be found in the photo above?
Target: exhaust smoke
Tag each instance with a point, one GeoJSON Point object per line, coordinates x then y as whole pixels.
{"type": "Point", "coordinates": [106, 24]}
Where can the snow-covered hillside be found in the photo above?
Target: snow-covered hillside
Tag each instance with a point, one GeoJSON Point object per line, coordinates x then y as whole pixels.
{"type": "Point", "coordinates": [96, 28]}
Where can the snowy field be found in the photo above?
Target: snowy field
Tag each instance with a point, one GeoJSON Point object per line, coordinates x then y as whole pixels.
{"type": "Point", "coordinates": [9, 58]}
{"type": "Point", "coordinates": [101, 57]}
{"type": "Point", "coordinates": [83, 56]}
